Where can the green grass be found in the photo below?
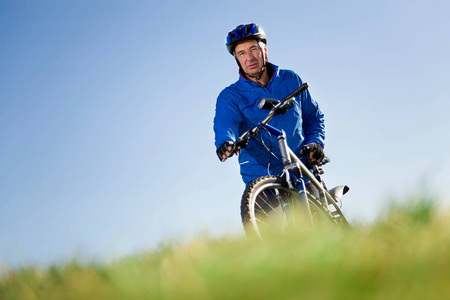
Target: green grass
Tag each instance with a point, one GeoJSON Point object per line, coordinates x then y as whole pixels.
{"type": "Point", "coordinates": [403, 255]}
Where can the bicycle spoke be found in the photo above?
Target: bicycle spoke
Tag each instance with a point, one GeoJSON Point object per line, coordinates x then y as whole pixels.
{"type": "Point", "coordinates": [261, 210]}
{"type": "Point", "coordinates": [258, 220]}
{"type": "Point", "coordinates": [267, 201]}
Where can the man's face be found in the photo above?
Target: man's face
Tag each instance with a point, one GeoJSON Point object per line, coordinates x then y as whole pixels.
{"type": "Point", "coordinates": [250, 56]}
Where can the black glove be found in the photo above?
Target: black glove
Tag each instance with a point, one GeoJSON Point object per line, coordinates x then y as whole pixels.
{"type": "Point", "coordinates": [314, 153]}
{"type": "Point", "coordinates": [223, 149]}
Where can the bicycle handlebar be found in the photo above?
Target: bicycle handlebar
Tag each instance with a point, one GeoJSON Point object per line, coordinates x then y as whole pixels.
{"type": "Point", "coordinates": [276, 110]}
{"type": "Point", "coordinates": [297, 91]}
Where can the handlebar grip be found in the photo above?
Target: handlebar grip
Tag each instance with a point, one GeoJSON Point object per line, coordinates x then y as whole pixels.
{"type": "Point", "coordinates": [298, 91]}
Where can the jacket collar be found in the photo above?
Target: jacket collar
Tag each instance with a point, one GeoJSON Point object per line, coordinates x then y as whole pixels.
{"type": "Point", "coordinates": [271, 68]}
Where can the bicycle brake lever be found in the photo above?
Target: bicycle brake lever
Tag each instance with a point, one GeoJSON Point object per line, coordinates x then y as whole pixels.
{"type": "Point", "coordinates": [242, 141]}
{"type": "Point", "coordinates": [282, 107]}
{"type": "Point", "coordinates": [240, 144]}
{"type": "Point", "coordinates": [325, 160]}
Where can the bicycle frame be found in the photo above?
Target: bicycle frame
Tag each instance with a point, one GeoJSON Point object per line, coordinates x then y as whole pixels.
{"type": "Point", "coordinates": [293, 171]}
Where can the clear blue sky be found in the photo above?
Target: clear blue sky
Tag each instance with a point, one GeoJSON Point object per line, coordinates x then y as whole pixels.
{"type": "Point", "coordinates": [106, 108]}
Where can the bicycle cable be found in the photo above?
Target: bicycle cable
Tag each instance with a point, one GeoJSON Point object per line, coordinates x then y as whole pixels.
{"type": "Point", "coordinates": [262, 143]}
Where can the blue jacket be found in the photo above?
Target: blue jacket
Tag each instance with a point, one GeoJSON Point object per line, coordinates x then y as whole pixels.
{"type": "Point", "coordinates": [237, 111]}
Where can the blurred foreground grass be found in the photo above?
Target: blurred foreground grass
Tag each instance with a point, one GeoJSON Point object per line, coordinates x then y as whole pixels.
{"type": "Point", "coordinates": [404, 255]}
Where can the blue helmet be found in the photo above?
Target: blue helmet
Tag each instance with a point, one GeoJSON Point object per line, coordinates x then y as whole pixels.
{"type": "Point", "coordinates": [244, 32]}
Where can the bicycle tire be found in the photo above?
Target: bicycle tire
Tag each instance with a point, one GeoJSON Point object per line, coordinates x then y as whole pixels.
{"type": "Point", "coordinates": [263, 207]}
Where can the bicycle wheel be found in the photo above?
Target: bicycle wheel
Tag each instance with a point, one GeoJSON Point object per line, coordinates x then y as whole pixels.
{"type": "Point", "coordinates": [268, 206]}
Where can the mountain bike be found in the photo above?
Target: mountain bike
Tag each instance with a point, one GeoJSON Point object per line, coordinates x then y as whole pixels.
{"type": "Point", "coordinates": [280, 202]}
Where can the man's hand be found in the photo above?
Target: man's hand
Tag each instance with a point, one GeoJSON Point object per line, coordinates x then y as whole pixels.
{"type": "Point", "coordinates": [225, 150]}
{"type": "Point", "coordinates": [314, 153]}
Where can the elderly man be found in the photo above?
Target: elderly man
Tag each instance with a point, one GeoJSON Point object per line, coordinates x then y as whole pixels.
{"type": "Point", "coordinates": [237, 108]}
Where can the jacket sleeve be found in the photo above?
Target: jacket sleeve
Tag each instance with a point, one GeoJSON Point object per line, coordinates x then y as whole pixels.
{"type": "Point", "coordinates": [313, 120]}
{"type": "Point", "coordinates": [227, 118]}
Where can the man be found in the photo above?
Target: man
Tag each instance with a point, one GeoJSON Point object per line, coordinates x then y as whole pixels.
{"type": "Point", "coordinates": [237, 108]}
